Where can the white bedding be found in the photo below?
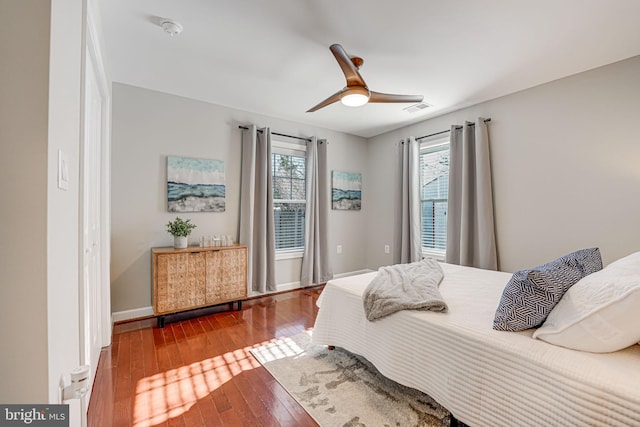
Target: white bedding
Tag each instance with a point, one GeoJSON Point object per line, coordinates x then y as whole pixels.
{"type": "Point", "coordinates": [484, 377]}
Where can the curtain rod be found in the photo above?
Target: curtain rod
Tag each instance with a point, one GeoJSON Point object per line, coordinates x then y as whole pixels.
{"type": "Point", "coordinates": [279, 134]}
{"type": "Point", "coordinates": [448, 130]}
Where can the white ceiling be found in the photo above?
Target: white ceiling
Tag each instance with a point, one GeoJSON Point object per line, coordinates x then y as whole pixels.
{"type": "Point", "coordinates": [272, 57]}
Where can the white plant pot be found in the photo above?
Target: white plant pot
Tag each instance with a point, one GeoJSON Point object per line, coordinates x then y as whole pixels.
{"type": "Point", "coordinates": [180, 242]}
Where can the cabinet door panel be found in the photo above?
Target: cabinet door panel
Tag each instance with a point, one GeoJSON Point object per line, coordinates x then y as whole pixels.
{"type": "Point", "coordinates": [226, 275]}
{"type": "Point", "coordinates": [180, 281]}
{"type": "Point", "coordinates": [172, 271]}
{"type": "Point", "coordinates": [234, 274]}
{"type": "Point", "coordinates": [161, 288]}
{"type": "Point", "coordinates": [212, 287]}
{"type": "Point", "coordinates": [194, 292]}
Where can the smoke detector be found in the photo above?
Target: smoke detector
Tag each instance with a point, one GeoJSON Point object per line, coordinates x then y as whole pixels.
{"type": "Point", "coordinates": [171, 27]}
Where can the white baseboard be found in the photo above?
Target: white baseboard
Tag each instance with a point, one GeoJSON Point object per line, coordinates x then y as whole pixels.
{"type": "Point", "coordinates": [135, 313]}
{"type": "Point", "coordinates": [295, 285]}
{"type": "Point", "coordinates": [352, 273]}
{"type": "Point", "coordinates": [279, 288]}
{"type": "Point", "coordinates": [287, 286]}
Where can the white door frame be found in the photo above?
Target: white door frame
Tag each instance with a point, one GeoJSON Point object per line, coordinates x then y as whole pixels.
{"type": "Point", "coordinates": [90, 219]}
{"type": "Point", "coordinates": [94, 46]}
{"type": "Point", "coordinates": [93, 59]}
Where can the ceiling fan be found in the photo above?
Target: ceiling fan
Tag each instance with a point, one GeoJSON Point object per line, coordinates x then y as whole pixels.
{"type": "Point", "coordinates": [356, 92]}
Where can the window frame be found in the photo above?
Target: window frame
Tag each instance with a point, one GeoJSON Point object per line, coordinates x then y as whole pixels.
{"type": "Point", "coordinates": [432, 145]}
{"type": "Point", "coordinates": [297, 149]}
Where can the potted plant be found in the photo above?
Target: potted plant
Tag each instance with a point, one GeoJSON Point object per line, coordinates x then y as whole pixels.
{"type": "Point", "coordinates": [180, 229]}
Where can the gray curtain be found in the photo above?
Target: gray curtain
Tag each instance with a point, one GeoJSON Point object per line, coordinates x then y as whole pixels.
{"type": "Point", "coordinates": [256, 208]}
{"type": "Point", "coordinates": [316, 264]}
{"type": "Point", "coordinates": [407, 242]}
{"type": "Point", "coordinates": [470, 228]}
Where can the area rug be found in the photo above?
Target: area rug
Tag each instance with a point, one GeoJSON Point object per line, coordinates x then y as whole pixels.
{"type": "Point", "coordinates": [338, 388]}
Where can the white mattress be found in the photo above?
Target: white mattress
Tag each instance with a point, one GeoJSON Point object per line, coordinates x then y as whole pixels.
{"type": "Point", "coordinates": [484, 377]}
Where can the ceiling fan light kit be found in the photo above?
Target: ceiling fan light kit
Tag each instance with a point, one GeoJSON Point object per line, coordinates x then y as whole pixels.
{"type": "Point", "coordinates": [355, 96]}
{"type": "Point", "coordinates": [356, 93]}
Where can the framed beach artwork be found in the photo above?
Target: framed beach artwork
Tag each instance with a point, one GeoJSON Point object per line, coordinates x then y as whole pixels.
{"type": "Point", "coordinates": [195, 185]}
{"type": "Point", "coordinates": [346, 190]}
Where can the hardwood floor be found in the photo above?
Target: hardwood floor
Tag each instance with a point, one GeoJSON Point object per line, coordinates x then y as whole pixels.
{"type": "Point", "coordinates": [198, 371]}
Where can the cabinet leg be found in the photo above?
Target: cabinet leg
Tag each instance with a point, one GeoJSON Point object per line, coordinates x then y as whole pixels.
{"type": "Point", "coordinates": [161, 322]}
{"type": "Point", "coordinates": [239, 305]}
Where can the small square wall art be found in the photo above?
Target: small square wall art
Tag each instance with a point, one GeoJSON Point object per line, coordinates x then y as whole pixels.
{"type": "Point", "coordinates": [346, 190]}
{"type": "Point", "coordinates": [195, 185]}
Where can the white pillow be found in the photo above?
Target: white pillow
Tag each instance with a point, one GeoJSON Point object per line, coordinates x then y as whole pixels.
{"type": "Point", "coordinates": [600, 313]}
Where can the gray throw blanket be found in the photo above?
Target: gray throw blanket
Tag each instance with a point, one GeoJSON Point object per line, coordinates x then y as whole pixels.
{"type": "Point", "coordinates": [404, 286]}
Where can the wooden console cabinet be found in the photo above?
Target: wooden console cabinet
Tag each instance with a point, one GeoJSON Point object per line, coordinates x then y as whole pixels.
{"type": "Point", "coordinates": [185, 279]}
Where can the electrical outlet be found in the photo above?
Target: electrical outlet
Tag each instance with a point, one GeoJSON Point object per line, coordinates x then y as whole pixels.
{"type": "Point", "coordinates": [339, 249]}
{"type": "Point", "coordinates": [387, 249]}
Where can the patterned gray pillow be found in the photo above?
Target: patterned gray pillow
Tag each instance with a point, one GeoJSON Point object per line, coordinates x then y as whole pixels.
{"type": "Point", "coordinates": [530, 295]}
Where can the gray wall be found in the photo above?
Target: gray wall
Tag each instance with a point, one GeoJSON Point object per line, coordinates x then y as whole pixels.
{"type": "Point", "coordinates": [40, 93]}
{"type": "Point", "coordinates": [566, 168]}
{"type": "Point", "coordinates": [24, 39]}
{"type": "Point", "coordinates": [148, 126]}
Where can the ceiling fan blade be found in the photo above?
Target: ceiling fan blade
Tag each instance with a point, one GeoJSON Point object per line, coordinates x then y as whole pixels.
{"type": "Point", "coordinates": [330, 100]}
{"type": "Point", "coordinates": [389, 97]}
{"type": "Point", "coordinates": [348, 68]}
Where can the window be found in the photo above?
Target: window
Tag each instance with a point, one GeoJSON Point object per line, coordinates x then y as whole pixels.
{"type": "Point", "coordinates": [289, 195]}
{"type": "Point", "coordinates": [434, 188]}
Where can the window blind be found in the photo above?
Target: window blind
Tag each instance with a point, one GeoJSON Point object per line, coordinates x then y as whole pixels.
{"type": "Point", "coordinates": [434, 188]}
{"type": "Point", "coordinates": [289, 198]}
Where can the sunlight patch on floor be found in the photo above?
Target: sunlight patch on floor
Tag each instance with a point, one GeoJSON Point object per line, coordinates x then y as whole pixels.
{"type": "Point", "coordinates": [172, 393]}
{"type": "Point", "coordinates": [275, 350]}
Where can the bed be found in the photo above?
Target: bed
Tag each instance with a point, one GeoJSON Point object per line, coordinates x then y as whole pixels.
{"type": "Point", "coordinates": [482, 376]}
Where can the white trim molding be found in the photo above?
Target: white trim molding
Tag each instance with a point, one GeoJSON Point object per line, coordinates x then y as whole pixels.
{"type": "Point", "coordinates": [296, 285]}
{"type": "Point", "coordinates": [95, 49]}
{"type": "Point", "coordinates": [352, 273]}
{"type": "Point", "coordinates": [132, 314]}
{"type": "Point", "coordinates": [292, 254]}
